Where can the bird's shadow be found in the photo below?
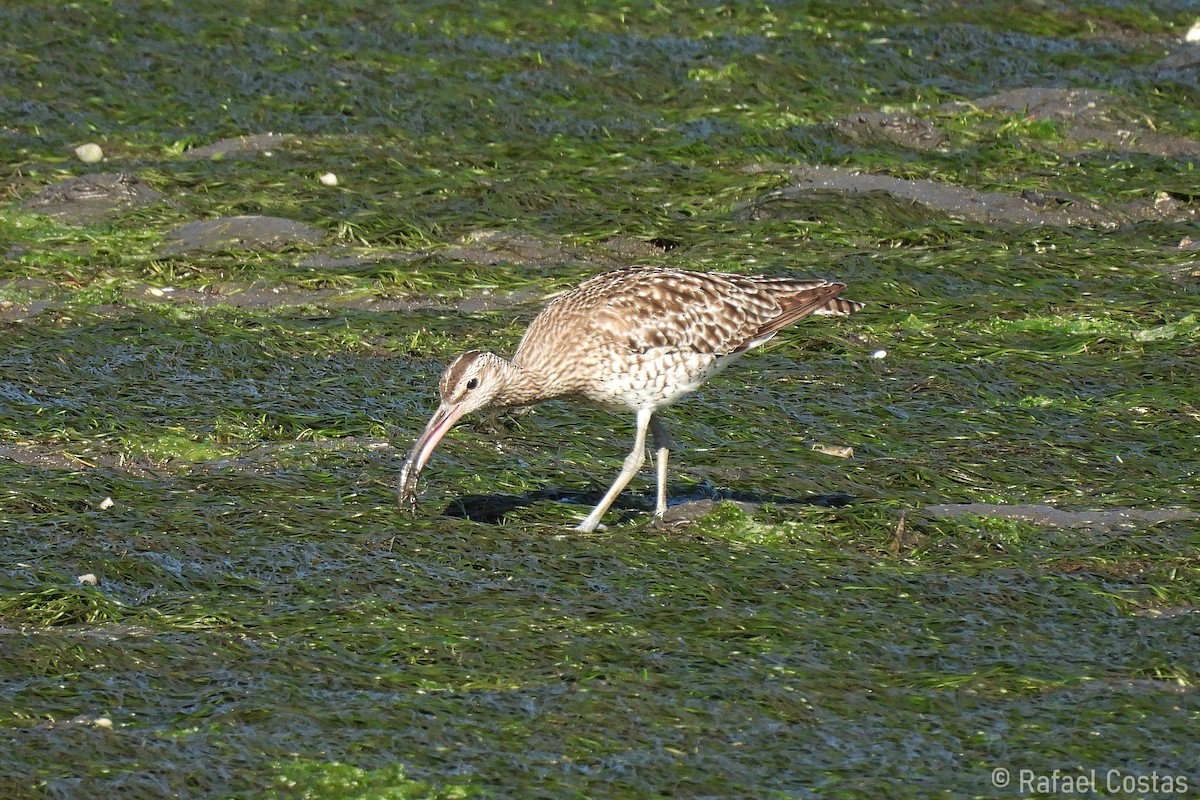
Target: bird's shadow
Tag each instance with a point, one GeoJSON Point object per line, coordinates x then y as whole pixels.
{"type": "Point", "coordinates": [491, 509]}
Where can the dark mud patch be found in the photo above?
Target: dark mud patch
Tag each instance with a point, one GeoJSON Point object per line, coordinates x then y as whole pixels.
{"type": "Point", "coordinates": [87, 199]}
{"type": "Point", "coordinates": [1167, 612]}
{"type": "Point", "coordinates": [265, 296]}
{"type": "Point", "coordinates": [1113, 519]}
{"type": "Point", "coordinates": [18, 312]}
{"type": "Point", "coordinates": [242, 146]}
{"type": "Point", "coordinates": [1076, 106]}
{"type": "Point", "coordinates": [259, 296]}
{"type": "Point", "coordinates": [1137, 140]}
{"type": "Point", "coordinates": [492, 247]}
{"type": "Point", "coordinates": [265, 458]}
{"type": "Point", "coordinates": [262, 459]}
{"type": "Point", "coordinates": [269, 296]}
{"type": "Point", "coordinates": [876, 128]}
{"type": "Point", "coordinates": [687, 512]}
{"type": "Point", "coordinates": [342, 258]}
{"type": "Point", "coordinates": [1087, 116]}
{"type": "Point", "coordinates": [1029, 208]}
{"type": "Point", "coordinates": [40, 293]}
{"type": "Point", "coordinates": [1180, 65]}
{"type": "Point", "coordinates": [45, 458]}
{"type": "Point", "coordinates": [251, 232]}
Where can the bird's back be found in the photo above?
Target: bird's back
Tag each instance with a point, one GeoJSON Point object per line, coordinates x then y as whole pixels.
{"type": "Point", "coordinates": [644, 336]}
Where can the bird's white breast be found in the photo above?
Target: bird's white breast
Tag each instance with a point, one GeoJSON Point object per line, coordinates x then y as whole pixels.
{"type": "Point", "coordinates": [654, 379]}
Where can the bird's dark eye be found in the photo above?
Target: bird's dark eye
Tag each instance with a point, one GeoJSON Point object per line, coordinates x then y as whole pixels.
{"type": "Point", "coordinates": [471, 384]}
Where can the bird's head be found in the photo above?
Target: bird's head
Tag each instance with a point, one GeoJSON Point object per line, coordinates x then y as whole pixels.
{"type": "Point", "coordinates": [471, 382]}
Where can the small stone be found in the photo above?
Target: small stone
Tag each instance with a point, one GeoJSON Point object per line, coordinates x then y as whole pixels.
{"type": "Point", "coordinates": [106, 504]}
{"type": "Point", "coordinates": [837, 451]}
{"type": "Point", "coordinates": [1193, 34]}
{"type": "Point", "coordinates": [103, 722]}
{"type": "Point", "coordinates": [329, 179]}
{"type": "Point", "coordinates": [89, 153]}
{"type": "Point", "coordinates": [88, 580]}
{"type": "Point", "coordinates": [879, 354]}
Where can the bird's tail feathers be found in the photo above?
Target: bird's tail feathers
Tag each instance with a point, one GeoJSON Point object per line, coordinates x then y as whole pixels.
{"type": "Point", "coordinates": [838, 307]}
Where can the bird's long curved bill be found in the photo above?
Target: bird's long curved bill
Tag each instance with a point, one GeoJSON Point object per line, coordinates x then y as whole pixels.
{"type": "Point", "coordinates": [442, 421]}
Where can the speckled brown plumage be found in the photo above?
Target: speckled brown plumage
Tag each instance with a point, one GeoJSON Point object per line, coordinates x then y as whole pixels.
{"type": "Point", "coordinates": [635, 339]}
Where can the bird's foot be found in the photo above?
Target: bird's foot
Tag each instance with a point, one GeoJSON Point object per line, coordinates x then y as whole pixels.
{"type": "Point", "coordinates": [590, 527]}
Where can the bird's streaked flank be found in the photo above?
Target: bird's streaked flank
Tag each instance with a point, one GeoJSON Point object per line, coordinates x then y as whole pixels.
{"type": "Point", "coordinates": [631, 340]}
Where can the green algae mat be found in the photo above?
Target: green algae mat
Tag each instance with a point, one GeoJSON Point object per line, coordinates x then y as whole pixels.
{"type": "Point", "coordinates": [947, 547]}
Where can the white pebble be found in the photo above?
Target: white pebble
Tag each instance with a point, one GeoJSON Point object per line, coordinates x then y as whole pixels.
{"type": "Point", "coordinates": [329, 179]}
{"type": "Point", "coordinates": [88, 580]}
{"type": "Point", "coordinates": [106, 504]}
{"type": "Point", "coordinates": [103, 722]}
{"type": "Point", "coordinates": [1193, 34]}
{"type": "Point", "coordinates": [879, 354]}
{"type": "Point", "coordinates": [89, 153]}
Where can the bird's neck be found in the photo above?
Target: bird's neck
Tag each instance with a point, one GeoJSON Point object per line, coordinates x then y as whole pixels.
{"type": "Point", "coordinates": [529, 380]}
{"type": "Point", "coordinates": [520, 386]}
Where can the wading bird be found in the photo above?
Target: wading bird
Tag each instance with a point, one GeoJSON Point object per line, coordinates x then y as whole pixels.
{"type": "Point", "coordinates": [633, 340]}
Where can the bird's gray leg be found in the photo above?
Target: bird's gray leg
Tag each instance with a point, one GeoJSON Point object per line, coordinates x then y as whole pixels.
{"type": "Point", "coordinates": [663, 445]}
{"type": "Point", "coordinates": [633, 462]}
